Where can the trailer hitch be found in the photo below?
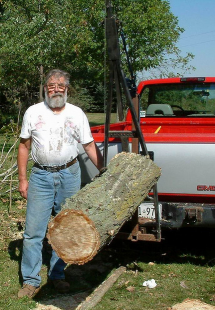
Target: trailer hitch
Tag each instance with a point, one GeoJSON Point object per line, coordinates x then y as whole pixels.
{"type": "Point", "coordinates": [193, 214]}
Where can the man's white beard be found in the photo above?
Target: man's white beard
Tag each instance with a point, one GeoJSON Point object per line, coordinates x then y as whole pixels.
{"type": "Point", "coordinates": [57, 100]}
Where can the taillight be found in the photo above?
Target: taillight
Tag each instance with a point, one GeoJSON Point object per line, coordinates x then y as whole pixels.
{"type": "Point", "coordinates": [192, 79]}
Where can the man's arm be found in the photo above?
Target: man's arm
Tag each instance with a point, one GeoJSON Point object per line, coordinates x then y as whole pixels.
{"type": "Point", "coordinates": [94, 154]}
{"type": "Point", "coordinates": [22, 160]}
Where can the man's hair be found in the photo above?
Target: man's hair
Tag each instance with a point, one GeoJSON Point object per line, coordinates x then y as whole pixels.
{"type": "Point", "coordinates": [57, 73]}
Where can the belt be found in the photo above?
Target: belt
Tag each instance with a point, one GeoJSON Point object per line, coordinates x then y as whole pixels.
{"type": "Point", "coordinates": [56, 168]}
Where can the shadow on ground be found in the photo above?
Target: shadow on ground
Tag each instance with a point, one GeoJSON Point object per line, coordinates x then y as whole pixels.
{"type": "Point", "coordinates": [178, 246]}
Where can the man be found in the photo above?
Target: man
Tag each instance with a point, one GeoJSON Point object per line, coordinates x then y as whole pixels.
{"type": "Point", "coordinates": [52, 130]}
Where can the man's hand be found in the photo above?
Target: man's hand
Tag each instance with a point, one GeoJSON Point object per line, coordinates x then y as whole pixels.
{"type": "Point", "coordinates": [23, 188]}
{"type": "Point", "coordinates": [101, 171]}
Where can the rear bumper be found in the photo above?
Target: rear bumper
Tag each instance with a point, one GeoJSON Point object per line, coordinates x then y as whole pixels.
{"type": "Point", "coordinates": [176, 215]}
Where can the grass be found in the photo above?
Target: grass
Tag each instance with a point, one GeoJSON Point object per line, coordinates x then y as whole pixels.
{"type": "Point", "coordinates": [182, 266]}
{"type": "Point", "coordinates": [168, 292]}
{"type": "Point", "coordinates": [99, 118]}
{"type": "Point", "coordinates": [175, 282]}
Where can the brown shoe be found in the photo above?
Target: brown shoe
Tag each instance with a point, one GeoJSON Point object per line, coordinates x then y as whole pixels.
{"type": "Point", "coordinates": [28, 290]}
{"type": "Point", "coordinates": [60, 285]}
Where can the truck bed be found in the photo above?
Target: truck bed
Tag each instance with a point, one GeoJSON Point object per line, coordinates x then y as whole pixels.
{"type": "Point", "coordinates": [184, 150]}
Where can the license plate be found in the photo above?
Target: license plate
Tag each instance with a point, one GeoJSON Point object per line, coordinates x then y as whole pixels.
{"type": "Point", "coordinates": [147, 210]}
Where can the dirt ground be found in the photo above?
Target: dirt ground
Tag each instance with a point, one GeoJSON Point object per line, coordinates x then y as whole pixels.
{"type": "Point", "coordinates": [72, 302]}
{"type": "Point", "coordinates": [192, 304]}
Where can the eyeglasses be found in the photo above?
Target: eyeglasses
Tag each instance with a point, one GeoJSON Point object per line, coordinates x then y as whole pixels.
{"type": "Point", "coordinates": [52, 86]}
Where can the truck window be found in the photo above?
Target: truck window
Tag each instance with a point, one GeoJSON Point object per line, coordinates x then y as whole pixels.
{"type": "Point", "coordinates": [179, 100]}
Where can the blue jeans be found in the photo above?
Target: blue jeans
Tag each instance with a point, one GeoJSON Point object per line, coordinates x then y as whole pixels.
{"type": "Point", "coordinates": [46, 192]}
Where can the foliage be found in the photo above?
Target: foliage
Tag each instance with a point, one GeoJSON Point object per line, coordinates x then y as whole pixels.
{"type": "Point", "coordinates": [179, 65]}
{"type": "Point", "coordinates": [49, 33]}
{"type": "Point", "coordinates": [8, 165]}
{"type": "Point", "coordinates": [89, 99]}
{"type": "Point", "coordinates": [70, 35]}
{"type": "Point", "coordinates": [151, 32]}
{"type": "Point", "coordinates": [80, 97]}
{"type": "Point", "coordinates": [9, 137]}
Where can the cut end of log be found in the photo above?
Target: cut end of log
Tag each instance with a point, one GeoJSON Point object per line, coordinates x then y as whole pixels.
{"type": "Point", "coordinates": [74, 237]}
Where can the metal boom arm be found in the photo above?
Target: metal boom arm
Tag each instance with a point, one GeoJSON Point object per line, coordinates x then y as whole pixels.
{"type": "Point", "coordinates": [116, 75]}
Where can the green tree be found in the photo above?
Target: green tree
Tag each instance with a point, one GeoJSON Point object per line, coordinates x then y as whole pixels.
{"type": "Point", "coordinates": [70, 34]}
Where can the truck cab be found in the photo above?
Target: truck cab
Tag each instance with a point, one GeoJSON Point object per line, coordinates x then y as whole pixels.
{"type": "Point", "coordinates": [178, 97]}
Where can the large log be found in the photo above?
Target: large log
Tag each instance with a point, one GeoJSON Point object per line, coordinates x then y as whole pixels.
{"type": "Point", "coordinates": [91, 218]}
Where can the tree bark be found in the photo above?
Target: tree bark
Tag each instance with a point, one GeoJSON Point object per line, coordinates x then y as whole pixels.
{"type": "Point", "coordinates": [91, 218]}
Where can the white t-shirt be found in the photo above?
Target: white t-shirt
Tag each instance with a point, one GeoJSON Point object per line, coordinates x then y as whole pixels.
{"type": "Point", "coordinates": [55, 137]}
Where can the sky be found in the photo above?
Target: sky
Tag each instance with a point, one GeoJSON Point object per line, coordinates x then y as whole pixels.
{"type": "Point", "coordinates": [197, 17]}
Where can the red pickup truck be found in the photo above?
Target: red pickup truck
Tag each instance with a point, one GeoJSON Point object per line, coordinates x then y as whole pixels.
{"type": "Point", "coordinates": [177, 119]}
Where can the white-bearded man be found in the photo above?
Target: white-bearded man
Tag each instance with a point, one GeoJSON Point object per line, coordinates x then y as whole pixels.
{"type": "Point", "coordinates": [51, 130]}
